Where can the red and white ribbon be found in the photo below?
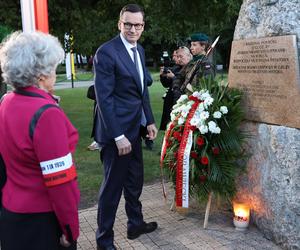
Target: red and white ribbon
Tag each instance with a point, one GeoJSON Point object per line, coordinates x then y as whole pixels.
{"type": "Point", "coordinates": [182, 170]}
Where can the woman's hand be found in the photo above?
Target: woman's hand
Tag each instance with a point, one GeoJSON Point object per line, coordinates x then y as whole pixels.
{"type": "Point", "coordinates": [64, 242]}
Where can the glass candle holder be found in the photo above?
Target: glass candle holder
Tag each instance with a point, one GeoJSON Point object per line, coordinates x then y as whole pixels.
{"type": "Point", "coordinates": [241, 216]}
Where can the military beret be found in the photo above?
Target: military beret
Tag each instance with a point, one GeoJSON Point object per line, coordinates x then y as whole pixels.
{"type": "Point", "coordinates": [201, 37]}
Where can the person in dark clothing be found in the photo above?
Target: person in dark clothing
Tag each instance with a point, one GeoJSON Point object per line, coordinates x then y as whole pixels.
{"type": "Point", "coordinates": [123, 106]}
{"type": "Point", "coordinates": [199, 46]}
{"type": "Point", "coordinates": [183, 57]}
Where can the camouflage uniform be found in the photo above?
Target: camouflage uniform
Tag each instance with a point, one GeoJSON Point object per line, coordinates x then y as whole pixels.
{"type": "Point", "coordinates": [205, 70]}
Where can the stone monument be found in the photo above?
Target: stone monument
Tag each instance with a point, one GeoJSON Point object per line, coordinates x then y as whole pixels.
{"type": "Point", "coordinates": [272, 184]}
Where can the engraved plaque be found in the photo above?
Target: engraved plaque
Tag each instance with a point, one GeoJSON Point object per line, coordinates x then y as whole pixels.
{"type": "Point", "coordinates": [267, 71]}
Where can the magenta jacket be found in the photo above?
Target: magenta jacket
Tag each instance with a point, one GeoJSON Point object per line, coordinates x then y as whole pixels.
{"type": "Point", "coordinates": [41, 175]}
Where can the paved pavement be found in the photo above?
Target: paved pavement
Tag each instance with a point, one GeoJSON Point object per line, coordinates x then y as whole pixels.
{"type": "Point", "coordinates": [175, 231]}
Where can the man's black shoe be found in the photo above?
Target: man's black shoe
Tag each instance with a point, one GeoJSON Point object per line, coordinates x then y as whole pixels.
{"type": "Point", "coordinates": [112, 247]}
{"type": "Point", "coordinates": [143, 229]}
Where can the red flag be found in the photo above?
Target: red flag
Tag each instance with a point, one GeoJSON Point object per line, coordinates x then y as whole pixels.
{"type": "Point", "coordinates": [41, 15]}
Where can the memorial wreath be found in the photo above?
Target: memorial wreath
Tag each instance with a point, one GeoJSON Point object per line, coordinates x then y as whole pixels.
{"type": "Point", "coordinates": [202, 146]}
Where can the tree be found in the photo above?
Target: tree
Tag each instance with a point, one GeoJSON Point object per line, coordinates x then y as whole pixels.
{"type": "Point", "coordinates": [168, 23]}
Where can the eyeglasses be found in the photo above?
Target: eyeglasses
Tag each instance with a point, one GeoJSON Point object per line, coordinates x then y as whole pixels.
{"type": "Point", "coordinates": [137, 26]}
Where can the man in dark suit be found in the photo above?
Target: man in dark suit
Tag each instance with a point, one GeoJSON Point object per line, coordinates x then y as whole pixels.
{"type": "Point", "coordinates": [123, 106]}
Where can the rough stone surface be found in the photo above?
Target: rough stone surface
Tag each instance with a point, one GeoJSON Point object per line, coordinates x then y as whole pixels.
{"type": "Point", "coordinates": [263, 18]}
{"type": "Point", "coordinates": [272, 183]}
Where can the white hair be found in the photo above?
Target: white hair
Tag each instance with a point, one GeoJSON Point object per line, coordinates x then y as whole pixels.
{"type": "Point", "coordinates": [186, 51]}
{"type": "Point", "coordinates": [26, 56]}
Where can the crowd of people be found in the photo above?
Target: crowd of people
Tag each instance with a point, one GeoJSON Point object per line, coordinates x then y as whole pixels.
{"type": "Point", "coordinates": [38, 181]}
{"type": "Point", "coordinates": [175, 78]}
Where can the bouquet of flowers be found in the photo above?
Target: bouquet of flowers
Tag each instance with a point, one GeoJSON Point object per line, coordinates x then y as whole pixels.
{"type": "Point", "coordinates": [202, 147]}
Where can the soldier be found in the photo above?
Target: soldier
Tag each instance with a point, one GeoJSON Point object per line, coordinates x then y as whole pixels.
{"type": "Point", "coordinates": [192, 73]}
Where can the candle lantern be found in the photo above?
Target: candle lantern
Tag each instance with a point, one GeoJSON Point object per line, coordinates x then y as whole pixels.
{"type": "Point", "coordinates": [241, 216]}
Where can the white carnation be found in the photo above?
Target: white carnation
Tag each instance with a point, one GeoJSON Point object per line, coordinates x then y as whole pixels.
{"type": "Point", "coordinates": [204, 115]}
{"type": "Point", "coordinates": [194, 121]}
{"type": "Point", "coordinates": [217, 114]}
{"type": "Point", "coordinates": [197, 94]}
{"type": "Point", "coordinates": [213, 128]}
{"type": "Point", "coordinates": [217, 130]}
{"type": "Point", "coordinates": [203, 129]}
{"type": "Point", "coordinates": [182, 98]}
{"type": "Point", "coordinates": [208, 101]}
{"type": "Point", "coordinates": [173, 116]}
{"type": "Point", "coordinates": [224, 109]}
{"type": "Point", "coordinates": [180, 120]}
{"type": "Point", "coordinates": [184, 113]}
{"type": "Point", "coordinates": [204, 95]}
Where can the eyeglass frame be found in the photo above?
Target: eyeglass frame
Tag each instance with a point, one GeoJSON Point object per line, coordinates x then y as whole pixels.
{"type": "Point", "coordinates": [141, 25]}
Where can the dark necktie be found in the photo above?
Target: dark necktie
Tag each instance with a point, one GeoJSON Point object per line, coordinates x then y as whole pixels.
{"type": "Point", "coordinates": [137, 64]}
{"type": "Point", "coordinates": [143, 118]}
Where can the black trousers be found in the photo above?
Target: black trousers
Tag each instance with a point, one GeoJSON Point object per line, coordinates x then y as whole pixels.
{"type": "Point", "coordinates": [37, 231]}
{"type": "Point", "coordinates": [121, 174]}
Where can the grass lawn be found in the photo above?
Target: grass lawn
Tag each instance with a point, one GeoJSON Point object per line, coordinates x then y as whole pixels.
{"type": "Point", "coordinates": [79, 110]}
{"type": "Point", "coordinates": [79, 76]}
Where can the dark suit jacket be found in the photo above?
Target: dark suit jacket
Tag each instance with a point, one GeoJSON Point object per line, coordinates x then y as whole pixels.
{"type": "Point", "coordinates": [119, 93]}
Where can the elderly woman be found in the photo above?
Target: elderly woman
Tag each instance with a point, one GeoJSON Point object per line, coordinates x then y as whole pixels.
{"type": "Point", "coordinates": [40, 197]}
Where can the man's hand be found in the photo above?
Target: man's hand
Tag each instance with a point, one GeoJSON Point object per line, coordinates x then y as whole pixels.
{"type": "Point", "coordinates": [152, 131]}
{"type": "Point", "coordinates": [124, 146]}
{"type": "Point", "coordinates": [170, 74]}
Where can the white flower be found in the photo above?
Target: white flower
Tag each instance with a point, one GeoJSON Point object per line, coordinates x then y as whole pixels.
{"type": "Point", "coordinates": [182, 98]}
{"type": "Point", "coordinates": [175, 106]}
{"type": "Point", "coordinates": [204, 115]}
{"type": "Point", "coordinates": [190, 103]}
{"type": "Point", "coordinates": [180, 120]}
{"type": "Point", "coordinates": [194, 121]}
{"type": "Point", "coordinates": [217, 114]}
{"type": "Point", "coordinates": [224, 109]}
{"type": "Point", "coordinates": [203, 129]}
{"type": "Point", "coordinates": [200, 107]}
{"type": "Point", "coordinates": [208, 101]}
{"type": "Point", "coordinates": [197, 94]}
{"type": "Point", "coordinates": [213, 128]}
{"type": "Point", "coordinates": [204, 94]}
{"type": "Point", "coordinates": [217, 130]}
{"type": "Point", "coordinates": [173, 116]}
{"type": "Point", "coordinates": [184, 113]}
